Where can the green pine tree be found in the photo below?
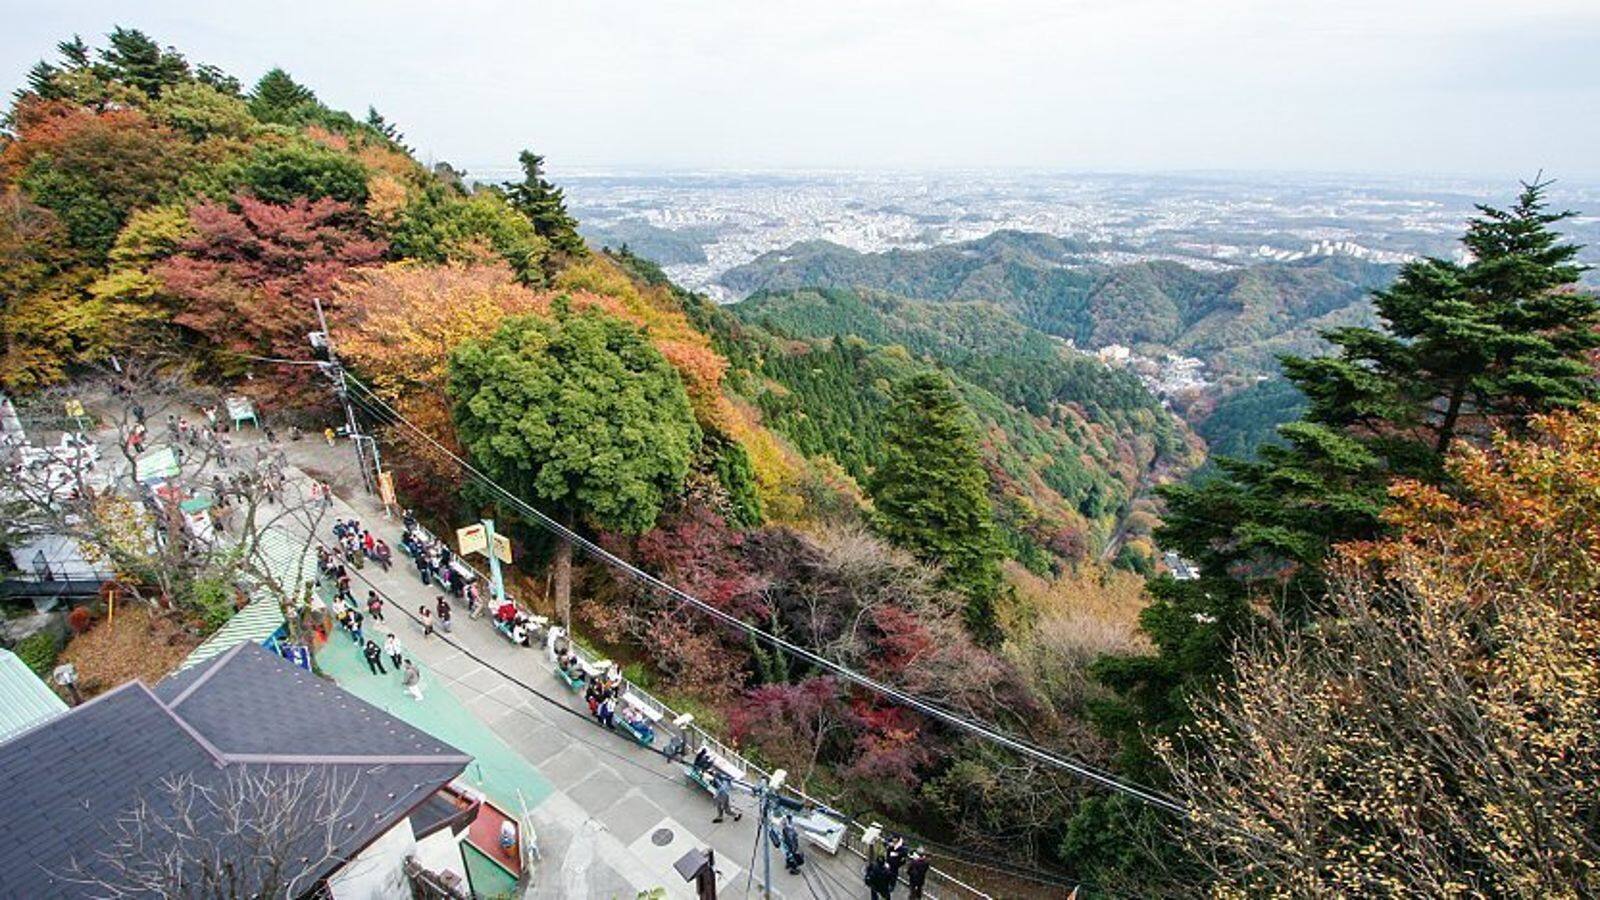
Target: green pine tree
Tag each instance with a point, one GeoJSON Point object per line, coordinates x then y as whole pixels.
{"type": "Point", "coordinates": [279, 98]}
{"type": "Point", "coordinates": [931, 493]}
{"type": "Point", "coordinates": [542, 202]}
{"type": "Point", "coordinates": [139, 62]}
{"type": "Point", "coordinates": [1466, 349]}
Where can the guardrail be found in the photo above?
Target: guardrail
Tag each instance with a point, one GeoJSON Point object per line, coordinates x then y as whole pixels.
{"type": "Point", "coordinates": [695, 736]}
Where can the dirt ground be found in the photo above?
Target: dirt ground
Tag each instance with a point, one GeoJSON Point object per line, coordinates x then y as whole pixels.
{"type": "Point", "coordinates": [132, 645]}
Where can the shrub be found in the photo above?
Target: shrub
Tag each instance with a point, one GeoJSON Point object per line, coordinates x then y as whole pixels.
{"type": "Point", "coordinates": [80, 619]}
{"type": "Point", "coordinates": [39, 650]}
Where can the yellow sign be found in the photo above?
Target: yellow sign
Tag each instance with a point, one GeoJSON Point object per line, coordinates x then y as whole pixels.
{"type": "Point", "coordinates": [74, 409]}
{"type": "Point", "coordinates": [386, 488]}
{"type": "Point", "coordinates": [502, 548]}
{"type": "Point", "coordinates": [471, 539]}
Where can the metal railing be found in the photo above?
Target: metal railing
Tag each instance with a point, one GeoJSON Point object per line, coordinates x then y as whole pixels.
{"type": "Point", "coordinates": [696, 736]}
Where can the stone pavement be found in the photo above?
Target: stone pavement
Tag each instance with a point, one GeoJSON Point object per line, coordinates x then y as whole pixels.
{"type": "Point", "coordinates": [610, 817]}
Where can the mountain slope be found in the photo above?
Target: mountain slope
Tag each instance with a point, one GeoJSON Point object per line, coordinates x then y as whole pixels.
{"type": "Point", "coordinates": [1071, 444]}
{"type": "Point", "coordinates": [1236, 320]}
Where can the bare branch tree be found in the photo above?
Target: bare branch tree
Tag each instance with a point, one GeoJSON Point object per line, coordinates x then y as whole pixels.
{"type": "Point", "coordinates": [88, 489]}
{"type": "Point", "coordinates": [258, 832]}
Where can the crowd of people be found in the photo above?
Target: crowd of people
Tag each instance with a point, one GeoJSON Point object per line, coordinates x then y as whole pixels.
{"type": "Point", "coordinates": [604, 692]}
{"type": "Point", "coordinates": [883, 869]}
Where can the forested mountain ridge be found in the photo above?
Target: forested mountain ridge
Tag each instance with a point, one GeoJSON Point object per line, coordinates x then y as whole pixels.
{"type": "Point", "coordinates": [1236, 320]}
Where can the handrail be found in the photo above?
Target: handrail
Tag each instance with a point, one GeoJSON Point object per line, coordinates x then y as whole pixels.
{"type": "Point", "coordinates": [705, 738]}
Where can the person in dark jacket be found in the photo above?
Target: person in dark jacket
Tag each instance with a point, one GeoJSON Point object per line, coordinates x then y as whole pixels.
{"type": "Point", "coordinates": [374, 655]}
{"type": "Point", "coordinates": [880, 881]}
{"type": "Point", "coordinates": [895, 856]}
{"type": "Point", "coordinates": [917, 873]}
{"type": "Point", "coordinates": [793, 859]}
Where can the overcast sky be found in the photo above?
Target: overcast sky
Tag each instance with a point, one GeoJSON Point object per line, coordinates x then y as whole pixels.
{"type": "Point", "coordinates": [1482, 87]}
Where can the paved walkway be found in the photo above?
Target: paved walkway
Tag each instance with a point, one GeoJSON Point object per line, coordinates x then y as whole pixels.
{"type": "Point", "coordinates": [611, 817]}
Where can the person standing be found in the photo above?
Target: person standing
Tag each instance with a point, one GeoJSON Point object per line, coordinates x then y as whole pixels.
{"type": "Point", "coordinates": [391, 646]}
{"type": "Point", "coordinates": [880, 881]}
{"type": "Point", "coordinates": [374, 606]}
{"type": "Point", "coordinates": [895, 856]}
{"type": "Point", "coordinates": [426, 617]}
{"type": "Point", "coordinates": [917, 873]}
{"type": "Point", "coordinates": [412, 679]}
{"type": "Point", "coordinates": [327, 435]}
{"type": "Point", "coordinates": [374, 655]}
{"type": "Point", "coordinates": [355, 626]}
{"type": "Point", "coordinates": [793, 859]}
{"type": "Point", "coordinates": [724, 800]}
{"type": "Point", "coordinates": [443, 607]}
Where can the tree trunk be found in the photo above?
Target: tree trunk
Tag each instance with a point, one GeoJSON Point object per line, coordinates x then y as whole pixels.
{"type": "Point", "coordinates": [1447, 428]}
{"type": "Point", "coordinates": [563, 575]}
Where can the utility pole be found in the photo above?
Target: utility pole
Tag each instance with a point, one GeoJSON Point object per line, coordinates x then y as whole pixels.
{"type": "Point", "coordinates": [336, 371]}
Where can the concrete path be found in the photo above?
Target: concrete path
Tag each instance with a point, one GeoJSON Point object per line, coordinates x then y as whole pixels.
{"type": "Point", "coordinates": [611, 817]}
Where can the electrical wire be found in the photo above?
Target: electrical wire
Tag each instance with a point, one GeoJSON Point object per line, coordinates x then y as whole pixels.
{"type": "Point", "coordinates": [977, 860]}
{"type": "Point", "coordinates": [1146, 795]}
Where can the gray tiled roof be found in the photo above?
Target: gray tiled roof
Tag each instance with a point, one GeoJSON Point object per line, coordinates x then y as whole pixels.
{"type": "Point", "coordinates": [63, 784]}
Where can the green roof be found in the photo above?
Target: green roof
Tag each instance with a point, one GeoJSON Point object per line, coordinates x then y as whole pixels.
{"type": "Point", "coordinates": [25, 701]}
{"type": "Point", "coordinates": [291, 564]}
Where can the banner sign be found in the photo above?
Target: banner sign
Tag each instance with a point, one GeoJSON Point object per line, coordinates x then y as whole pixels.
{"type": "Point", "coordinates": [471, 539]}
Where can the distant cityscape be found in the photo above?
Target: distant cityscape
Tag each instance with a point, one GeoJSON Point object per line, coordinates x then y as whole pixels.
{"type": "Point", "coordinates": [700, 225]}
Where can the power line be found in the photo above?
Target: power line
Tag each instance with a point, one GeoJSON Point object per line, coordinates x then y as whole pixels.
{"type": "Point", "coordinates": [978, 860]}
{"type": "Point", "coordinates": [1084, 770]}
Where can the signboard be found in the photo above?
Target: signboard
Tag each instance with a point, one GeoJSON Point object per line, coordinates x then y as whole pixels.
{"type": "Point", "coordinates": [386, 488]}
{"type": "Point", "coordinates": [471, 539]}
{"type": "Point", "coordinates": [241, 409]}
{"type": "Point", "coordinates": [502, 547]}
{"type": "Point", "coordinates": [74, 409]}
{"type": "Point", "coordinates": [156, 465]}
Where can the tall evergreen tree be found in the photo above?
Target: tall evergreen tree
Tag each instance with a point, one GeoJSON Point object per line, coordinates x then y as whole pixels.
{"type": "Point", "coordinates": [74, 53]}
{"type": "Point", "coordinates": [378, 123]}
{"type": "Point", "coordinates": [279, 98]}
{"type": "Point", "coordinates": [1466, 349]}
{"type": "Point", "coordinates": [931, 494]}
{"type": "Point", "coordinates": [542, 202]}
{"type": "Point", "coordinates": [139, 62]}
{"type": "Point", "coordinates": [212, 76]}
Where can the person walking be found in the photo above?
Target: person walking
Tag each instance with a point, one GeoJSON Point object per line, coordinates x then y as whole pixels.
{"type": "Point", "coordinates": [443, 608]}
{"type": "Point", "coordinates": [374, 606]}
{"type": "Point", "coordinates": [374, 655]}
{"type": "Point", "coordinates": [412, 680]}
{"type": "Point", "coordinates": [427, 621]}
{"type": "Point", "coordinates": [391, 647]}
{"type": "Point", "coordinates": [917, 873]}
{"type": "Point", "coordinates": [355, 626]}
{"type": "Point", "coordinates": [724, 800]}
{"type": "Point", "coordinates": [327, 435]}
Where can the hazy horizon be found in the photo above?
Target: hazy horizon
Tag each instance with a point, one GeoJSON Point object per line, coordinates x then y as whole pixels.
{"type": "Point", "coordinates": [1470, 89]}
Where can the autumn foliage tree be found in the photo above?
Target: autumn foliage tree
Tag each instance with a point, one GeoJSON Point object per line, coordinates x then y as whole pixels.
{"type": "Point", "coordinates": [244, 283]}
{"type": "Point", "coordinates": [1433, 734]}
